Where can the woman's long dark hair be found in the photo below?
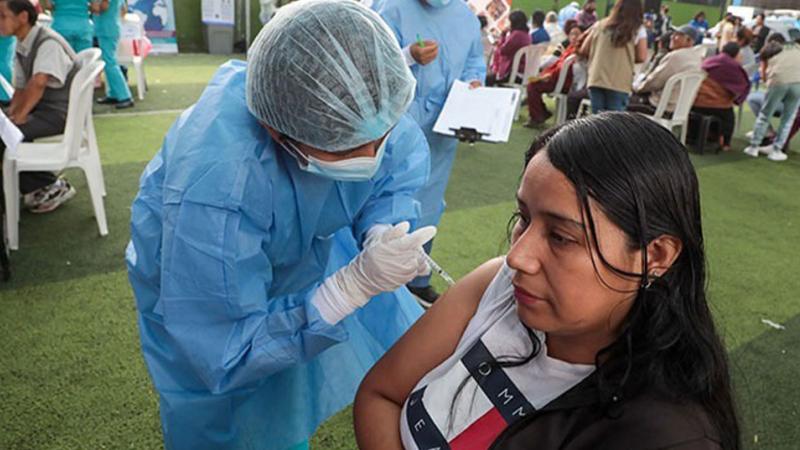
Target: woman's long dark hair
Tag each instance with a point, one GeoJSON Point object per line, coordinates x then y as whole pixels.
{"type": "Point", "coordinates": [518, 20]}
{"type": "Point", "coordinates": [624, 21]}
{"type": "Point", "coordinates": [641, 177]}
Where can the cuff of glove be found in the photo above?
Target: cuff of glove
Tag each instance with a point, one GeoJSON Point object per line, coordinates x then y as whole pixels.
{"type": "Point", "coordinates": [410, 61]}
{"type": "Point", "coordinates": [331, 302]}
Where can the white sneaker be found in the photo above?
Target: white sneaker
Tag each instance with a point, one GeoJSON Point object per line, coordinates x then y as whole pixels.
{"type": "Point", "coordinates": [751, 151]}
{"type": "Point", "coordinates": [57, 194]}
{"type": "Point", "coordinates": [749, 135]}
{"type": "Point", "coordinates": [777, 155]}
{"type": "Point", "coordinates": [765, 149]}
{"type": "Point", "coordinates": [32, 199]}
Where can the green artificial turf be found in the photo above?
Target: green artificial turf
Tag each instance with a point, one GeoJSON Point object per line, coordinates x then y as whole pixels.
{"type": "Point", "coordinates": [71, 372]}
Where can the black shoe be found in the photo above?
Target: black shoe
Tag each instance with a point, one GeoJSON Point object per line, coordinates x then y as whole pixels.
{"type": "Point", "coordinates": [107, 101]}
{"type": "Point", "coordinates": [122, 104]}
{"type": "Point", "coordinates": [426, 296]}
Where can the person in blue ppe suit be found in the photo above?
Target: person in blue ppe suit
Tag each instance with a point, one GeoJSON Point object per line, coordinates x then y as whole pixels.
{"type": "Point", "coordinates": [270, 238]}
{"type": "Point", "coordinates": [107, 26]}
{"type": "Point", "coordinates": [452, 51]}
{"type": "Point", "coordinates": [71, 20]}
{"type": "Point", "coordinates": [8, 44]}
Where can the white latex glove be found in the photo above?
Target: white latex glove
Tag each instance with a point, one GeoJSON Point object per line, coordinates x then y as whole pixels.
{"type": "Point", "coordinates": [374, 233]}
{"type": "Point", "coordinates": [389, 260]}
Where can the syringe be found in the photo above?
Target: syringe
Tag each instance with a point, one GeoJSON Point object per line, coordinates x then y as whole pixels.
{"type": "Point", "coordinates": [438, 269]}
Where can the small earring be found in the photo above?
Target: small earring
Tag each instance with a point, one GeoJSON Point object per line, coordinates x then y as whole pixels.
{"type": "Point", "coordinates": [650, 278]}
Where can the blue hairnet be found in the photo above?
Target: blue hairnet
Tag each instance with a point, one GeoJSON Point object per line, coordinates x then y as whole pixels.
{"type": "Point", "coordinates": [328, 73]}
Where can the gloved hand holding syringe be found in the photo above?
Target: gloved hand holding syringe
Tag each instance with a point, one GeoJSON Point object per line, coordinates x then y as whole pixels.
{"type": "Point", "coordinates": [438, 269]}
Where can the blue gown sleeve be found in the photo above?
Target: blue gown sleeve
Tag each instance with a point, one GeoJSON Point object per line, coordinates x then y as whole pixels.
{"type": "Point", "coordinates": [405, 172]}
{"type": "Point", "coordinates": [475, 67]}
{"type": "Point", "coordinates": [198, 264]}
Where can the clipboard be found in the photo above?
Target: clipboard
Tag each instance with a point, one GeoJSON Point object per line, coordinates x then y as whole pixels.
{"type": "Point", "coordinates": [481, 114]}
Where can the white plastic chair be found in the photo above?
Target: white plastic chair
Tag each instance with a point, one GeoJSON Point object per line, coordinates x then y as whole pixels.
{"type": "Point", "coordinates": [750, 69]}
{"type": "Point", "coordinates": [88, 55]}
{"type": "Point", "coordinates": [129, 50]}
{"type": "Point", "coordinates": [557, 94]}
{"type": "Point", "coordinates": [6, 86]}
{"type": "Point", "coordinates": [78, 148]}
{"type": "Point", "coordinates": [533, 56]}
{"type": "Point", "coordinates": [687, 83]}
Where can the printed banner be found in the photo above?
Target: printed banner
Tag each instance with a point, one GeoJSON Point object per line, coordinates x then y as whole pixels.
{"type": "Point", "coordinates": [496, 12]}
{"type": "Point", "coordinates": [218, 12]}
{"type": "Point", "coordinates": [158, 17]}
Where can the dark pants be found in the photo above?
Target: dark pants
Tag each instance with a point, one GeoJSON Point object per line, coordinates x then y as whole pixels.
{"type": "Point", "coordinates": [41, 123]}
{"type": "Point", "coordinates": [536, 107]}
{"type": "Point", "coordinates": [492, 80]}
{"type": "Point", "coordinates": [607, 100]}
{"type": "Point", "coordinates": [727, 121]}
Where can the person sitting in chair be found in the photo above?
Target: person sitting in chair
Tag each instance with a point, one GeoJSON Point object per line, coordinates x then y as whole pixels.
{"type": "Point", "coordinates": [682, 57]}
{"type": "Point", "coordinates": [44, 68]}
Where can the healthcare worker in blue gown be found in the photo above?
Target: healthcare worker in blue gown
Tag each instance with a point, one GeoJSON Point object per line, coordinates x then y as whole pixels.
{"type": "Point", "coordinates": [270, 237]}
{"type": "Point", "coordinates": [452, 51]}
{"type": "Point", "coordinates": [8, 45]}
{"type": "Point", "coordinates": [107, 29]}
{"type": "Point", "coordinates": [71, 20]}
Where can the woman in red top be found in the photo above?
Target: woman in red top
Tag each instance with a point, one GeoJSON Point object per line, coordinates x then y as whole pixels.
{"type": "Point", "coordinates": [510, 41]}
{"type": "Point", "coordinates": [546, 82]}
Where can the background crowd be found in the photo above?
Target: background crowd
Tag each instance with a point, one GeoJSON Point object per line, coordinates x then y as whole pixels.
{"type": "Point", "coordinates": [625, 61]}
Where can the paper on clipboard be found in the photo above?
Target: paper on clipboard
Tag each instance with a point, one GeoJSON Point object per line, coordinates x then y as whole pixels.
{"type": "Point", "coordinates": [490, 111]}
{"type": "Point", "coordinates": [10, 135]}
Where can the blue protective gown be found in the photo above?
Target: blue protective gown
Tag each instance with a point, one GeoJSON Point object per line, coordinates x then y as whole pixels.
{"type": "Point", "coordinates": [8, 44]}
{"type": "Point", "coordinates": [107, 29]}
{"type": "Point", "coordinates": [457, 31]}
{"type": "Point", "coordinates": [229, 241]}
{"type": "Point", "coordinates": [71, 20]}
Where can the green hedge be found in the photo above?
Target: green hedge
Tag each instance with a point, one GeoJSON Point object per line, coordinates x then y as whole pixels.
{"type": "Point", "coordinates": [681, 12]}
{"type": "Point", "coordinates": [192, 39]}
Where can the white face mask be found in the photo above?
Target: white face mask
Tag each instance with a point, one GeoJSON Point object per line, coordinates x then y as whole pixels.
{"type": "Point", "coordinates": [361, 168]}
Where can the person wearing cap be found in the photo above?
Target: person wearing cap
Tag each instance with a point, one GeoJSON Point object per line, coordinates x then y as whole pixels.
{"type": "Point", "coordinates": [451, 50]}
{"type": "Point", "coordinates": [683, 57]}
{"type": "Point", "coordinates": [271, 235]}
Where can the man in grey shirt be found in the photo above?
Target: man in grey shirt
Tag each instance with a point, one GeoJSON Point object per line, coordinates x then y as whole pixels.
{"type": "Point", "coordinates": [44, 68]}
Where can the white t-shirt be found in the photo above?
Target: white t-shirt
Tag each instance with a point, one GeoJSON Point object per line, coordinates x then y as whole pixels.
{"type": "Point", "coordinates": [491, 397]}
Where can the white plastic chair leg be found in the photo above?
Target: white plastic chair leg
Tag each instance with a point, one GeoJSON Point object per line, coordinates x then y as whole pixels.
{"type": "Point", "coordinates": [140, 80]}
{"type": "Point", "coordinates": [739, 118]}
{"type": "Point", "coordinates": [96, 193]}
{"type": "Point", "coordinates": [684, 128]}
{"type": "Point", "coordinates": [94, 151]}
{"type": "Point", "coordinates": [11, 190]}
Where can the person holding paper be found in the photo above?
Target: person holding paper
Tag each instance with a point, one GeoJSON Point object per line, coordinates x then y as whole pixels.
{"type": "Point", "coordinates": [451, 50]}
{"type": "Point", "coordinates": [107, 28]}
{"type": "Point", "coordinates": [273, 232]}
{"type": "Point", "coordinates": [45, 66]}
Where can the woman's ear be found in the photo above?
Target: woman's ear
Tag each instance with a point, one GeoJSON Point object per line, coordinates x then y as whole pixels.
{"type": "Point", "coordinates": [662, 253]}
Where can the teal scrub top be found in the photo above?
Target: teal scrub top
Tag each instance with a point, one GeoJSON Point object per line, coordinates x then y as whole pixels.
{"type": "Point", "coordinates": [71, 15]}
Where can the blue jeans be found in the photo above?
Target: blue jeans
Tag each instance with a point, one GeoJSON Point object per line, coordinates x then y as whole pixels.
{"type": "Point", "coordinates": [607, 100]}
{"type": "Point", "coordinates": [786, 96]}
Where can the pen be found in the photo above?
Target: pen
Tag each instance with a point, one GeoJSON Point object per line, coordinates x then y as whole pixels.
{"type": "Point", "coordinates": [438, 269]}
{"type": "Point", "coordinates": [420, 42]}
